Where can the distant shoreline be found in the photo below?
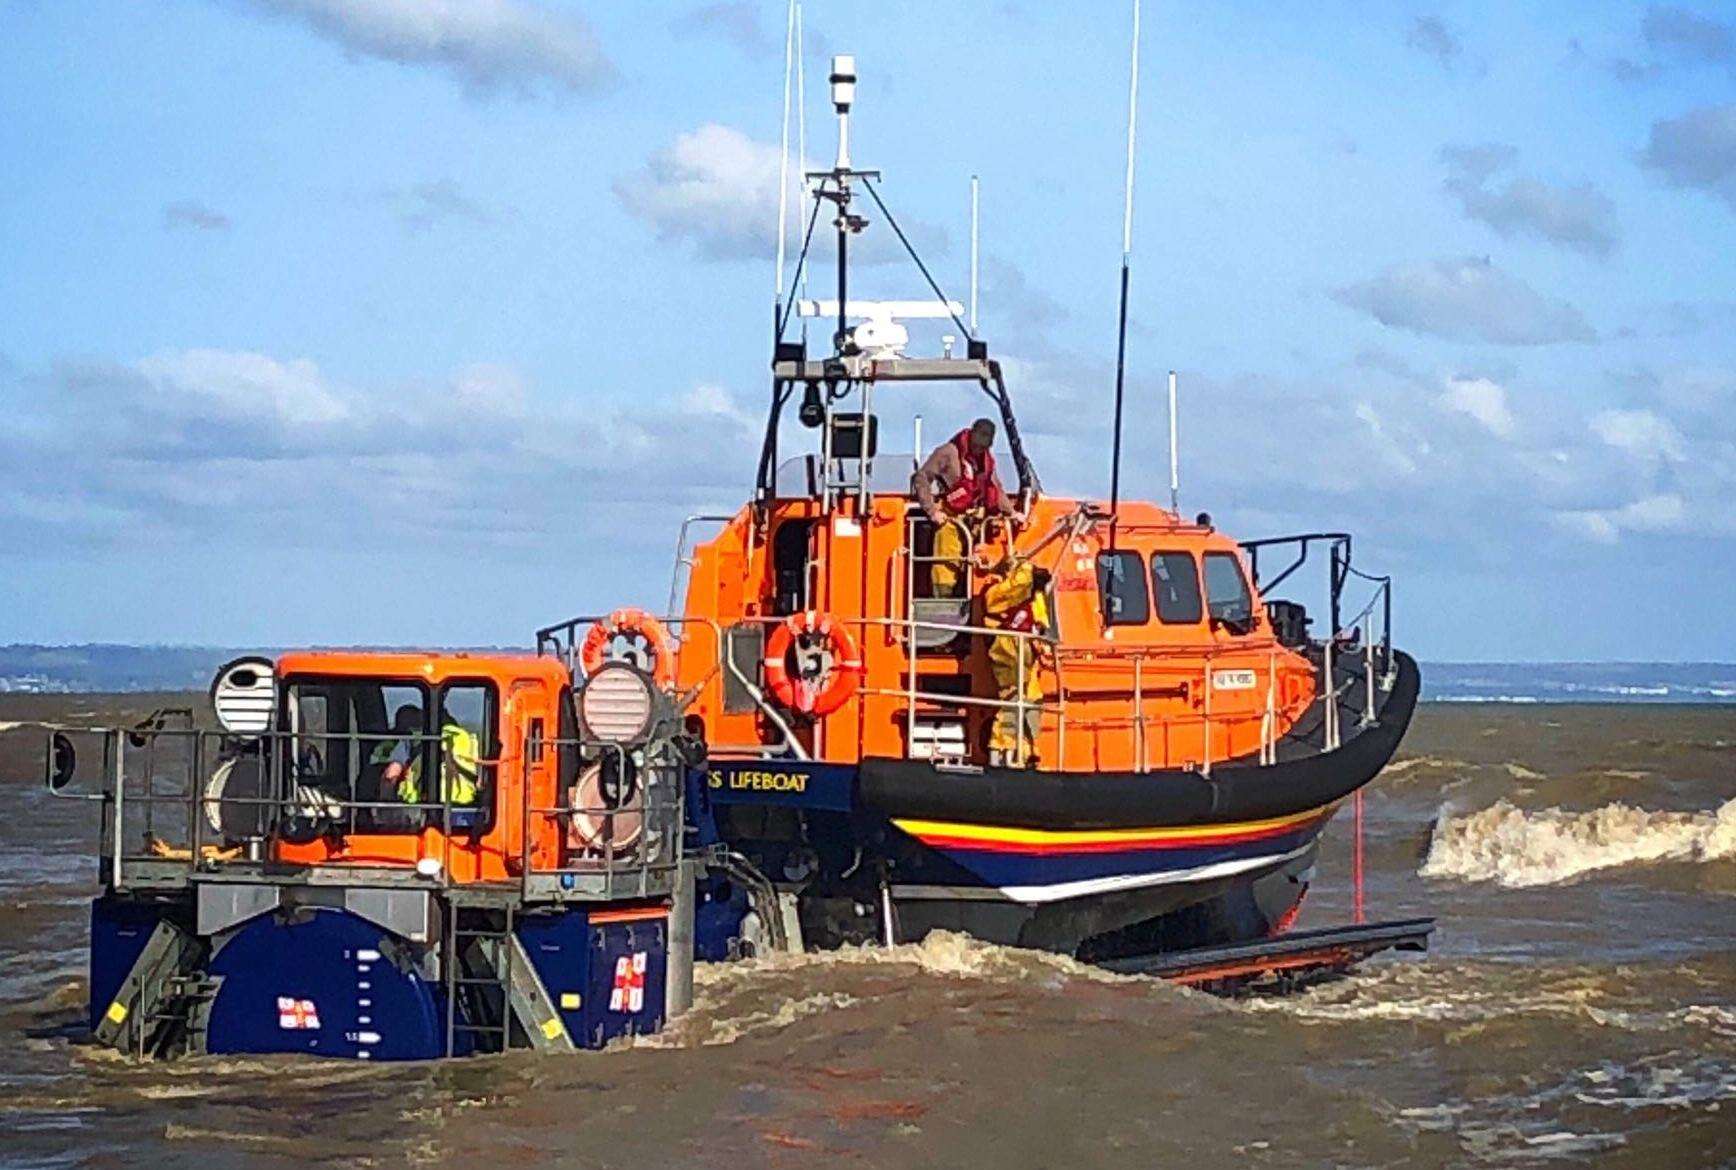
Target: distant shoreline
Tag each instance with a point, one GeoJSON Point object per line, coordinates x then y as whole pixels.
{"type": "Point", "coordinates": [108, 669]}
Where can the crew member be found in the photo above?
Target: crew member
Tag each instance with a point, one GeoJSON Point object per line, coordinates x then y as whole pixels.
{"type": "Point", "coordinates": [955, 483]}
{"type": "Point", "coordinates": [460, 754]}
{"type": "Point", "coordinates": [1018, 603]}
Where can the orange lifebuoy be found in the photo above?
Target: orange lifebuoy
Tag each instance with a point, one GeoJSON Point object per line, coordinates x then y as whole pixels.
{"type": "Point", "coordinates": [631, 623]}
{"type": "Point", "coordinates": [832, 689]}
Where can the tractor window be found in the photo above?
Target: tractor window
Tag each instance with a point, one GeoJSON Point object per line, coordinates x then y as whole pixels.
{"type": "Point", "coordinates": [317, 754]}
{"type": "Point", "coordinates": [346, 731]}
{"type": "Point", "coordinates": [1227, 596]}
{"type": "Point", "coordinates": [469, 738]}
{"type": "Point", "coordinates": [1175, 579]}
{"type": "Point", "coordinates": [1121, 586]}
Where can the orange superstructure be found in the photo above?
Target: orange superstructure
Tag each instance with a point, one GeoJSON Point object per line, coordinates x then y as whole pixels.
{"type": "Point", "coordinates": [1147, 687]}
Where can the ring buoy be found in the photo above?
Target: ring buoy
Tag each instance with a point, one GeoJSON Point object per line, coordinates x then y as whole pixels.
{"type": "Point", "coordinates": [630, 623]}
{"type": "Point", "coordinates": [820, 695]}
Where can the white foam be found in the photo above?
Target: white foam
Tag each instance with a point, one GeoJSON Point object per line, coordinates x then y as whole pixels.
{"type": "Point", "coordinates": [1515, 847]}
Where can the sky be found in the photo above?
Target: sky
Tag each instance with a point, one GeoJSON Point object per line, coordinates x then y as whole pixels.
{"type": "Point", "coordinates": [427, 321]}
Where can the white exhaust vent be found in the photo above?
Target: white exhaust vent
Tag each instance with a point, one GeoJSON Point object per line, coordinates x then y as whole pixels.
{"type": "Point", "coordinates": [245, 695]}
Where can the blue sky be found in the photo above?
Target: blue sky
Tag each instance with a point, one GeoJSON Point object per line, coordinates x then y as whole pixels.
{"type": "Point", "coordinates": [385, 321]}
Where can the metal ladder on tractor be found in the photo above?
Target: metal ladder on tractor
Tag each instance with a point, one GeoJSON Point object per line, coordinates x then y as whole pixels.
{"type": "Point", "coordinates": [164, 1004]}
{"type": "Point", "coordinates": [494, 997]}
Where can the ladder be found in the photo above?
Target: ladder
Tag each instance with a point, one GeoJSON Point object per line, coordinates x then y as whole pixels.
{"type": "Point", "coordinates": [162, 1005]}
{"type": "Point", "coordinates": [494, 996]}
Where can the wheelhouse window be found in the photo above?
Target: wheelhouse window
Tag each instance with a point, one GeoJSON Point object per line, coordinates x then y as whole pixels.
{"type": "Point", "coordinates": [1228, 598]}
{"type": "Point", "coordinates": [1175, 582]}
{"type": "Point", "coordinates": [1122, 590]}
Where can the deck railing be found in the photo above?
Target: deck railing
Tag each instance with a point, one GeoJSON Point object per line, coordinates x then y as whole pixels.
{"type": "Point", "coordinates": [166, 816]}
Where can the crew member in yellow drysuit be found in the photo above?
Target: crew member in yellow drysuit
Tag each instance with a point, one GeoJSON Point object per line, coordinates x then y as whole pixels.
{"type": "Point", "coordinates": [1017, 602]}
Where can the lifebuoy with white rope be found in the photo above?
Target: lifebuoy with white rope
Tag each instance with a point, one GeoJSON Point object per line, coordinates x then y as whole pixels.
{"type": "Point", "coordinates": [828, 668]}
{"type": "Point", "coordinates": [645, 636]}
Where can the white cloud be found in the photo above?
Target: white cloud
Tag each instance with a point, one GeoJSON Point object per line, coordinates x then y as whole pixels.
{"type": "Point", "coordinates": [1466, 299]}
{"type": "Point", "coordinates": [489, 45]}
{"type": "Point", "coordinates": [1391, 449]}
{"type": "Point", "coordinates": [1640, 433]}
{"type": "Point", "coordinates": [1483, 400]}
{"type": "Point", "coordinates": [225, 445]}
{"type": "Point", "coordinates": [715, 188]}
{"type": "Point", "coordinates": [242, 385]}
{"type": "Point", "coordinates": [1658, 513]}
{"type": "Point", "coordinates": [1662, 513]}
{"type": "Point", "coordinates": [1594, 526]}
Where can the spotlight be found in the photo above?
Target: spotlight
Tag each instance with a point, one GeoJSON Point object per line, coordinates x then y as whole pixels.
{"type": "Point", "coordinates": [813, 412]}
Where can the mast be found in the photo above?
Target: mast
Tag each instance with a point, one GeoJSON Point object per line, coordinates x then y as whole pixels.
{"type": "Point", "coordinates": [1126, 262]}
{"type": "Point", "coordinates": [843, 94]}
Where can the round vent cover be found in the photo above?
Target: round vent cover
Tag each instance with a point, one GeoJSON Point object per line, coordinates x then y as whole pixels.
{"type": "Point", "coordinates": [616, 704]}
{"type": "Point", "coordinates": [245, 695]}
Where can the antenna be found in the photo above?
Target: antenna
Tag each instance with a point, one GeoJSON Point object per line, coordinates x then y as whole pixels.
{"type": "Point", "coordinates": [784, 158]}
{"type": "Point", "coordinates": [802, 135]}
{"type": "Point", "coordinates": [1174, 452]}
{"type": "Point", "coordinates": [973, 253]}
{"type": "Point", "coordinates": [843, 94]}
{"type": "Point", "coordinates": [1126, 259]}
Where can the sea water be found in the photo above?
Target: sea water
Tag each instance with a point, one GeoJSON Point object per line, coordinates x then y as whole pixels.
{"type": "Point", "coordinates": [1579, 1007]}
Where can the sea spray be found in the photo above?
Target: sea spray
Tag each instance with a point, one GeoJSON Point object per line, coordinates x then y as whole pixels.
{"type": "Point", "coordinates": [1514, 847]}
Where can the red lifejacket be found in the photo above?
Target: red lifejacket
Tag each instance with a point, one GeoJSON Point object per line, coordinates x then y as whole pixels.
{"type": "Point", "coordinates": [976, 486]}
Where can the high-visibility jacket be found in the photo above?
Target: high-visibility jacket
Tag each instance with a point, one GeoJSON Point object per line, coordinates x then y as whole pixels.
{"type": "Point", "coordinates": [460, 753]}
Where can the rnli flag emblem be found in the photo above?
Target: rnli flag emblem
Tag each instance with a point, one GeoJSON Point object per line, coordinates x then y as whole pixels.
{"type": "Point", "coordinates": [628, 993]}
{"type": "Point", "coordinates": [296, 1015]}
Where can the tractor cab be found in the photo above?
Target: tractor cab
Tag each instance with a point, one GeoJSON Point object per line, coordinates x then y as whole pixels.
{"type": "Point", "coordinates": [387, 855]}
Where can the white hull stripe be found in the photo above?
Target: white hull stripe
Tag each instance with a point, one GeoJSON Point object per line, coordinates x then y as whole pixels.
{"type": "Point", "coordinates": [1034, 895]}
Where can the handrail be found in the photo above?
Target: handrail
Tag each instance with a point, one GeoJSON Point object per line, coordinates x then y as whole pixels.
{"type": "Point", "coordinates": [136, 838]}
{"type": "Point", "coordinates": [681, 548]}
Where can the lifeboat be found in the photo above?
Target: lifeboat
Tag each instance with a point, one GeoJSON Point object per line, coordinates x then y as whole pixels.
{"type": "Point", "coordinates": [1145, 766]}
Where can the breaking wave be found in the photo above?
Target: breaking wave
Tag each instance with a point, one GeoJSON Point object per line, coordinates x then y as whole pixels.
{"type": "Point", "coordinates": [1510, 846]}
{"type": "Point", "coordinates": [772, 992]}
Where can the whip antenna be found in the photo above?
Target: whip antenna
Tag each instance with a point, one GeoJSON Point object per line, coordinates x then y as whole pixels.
{"type": "Point", "coordinates": [1126, 259]}
{"type": "Point", "coordinates": [801, 136]}
{"type": "Point", "coordinates": [973, 253]}
{"type": "Point", "coordinates": [1174, 452]}
{"type": "Point", "coordinates": [784, 157]}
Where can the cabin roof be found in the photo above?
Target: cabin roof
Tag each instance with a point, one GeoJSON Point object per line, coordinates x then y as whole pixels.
{"type": "Point", "coordinates": [432, 665]}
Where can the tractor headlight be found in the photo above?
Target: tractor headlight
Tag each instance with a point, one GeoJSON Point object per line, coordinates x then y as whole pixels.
{"type": "Point", "coordinates": [617, 704]}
